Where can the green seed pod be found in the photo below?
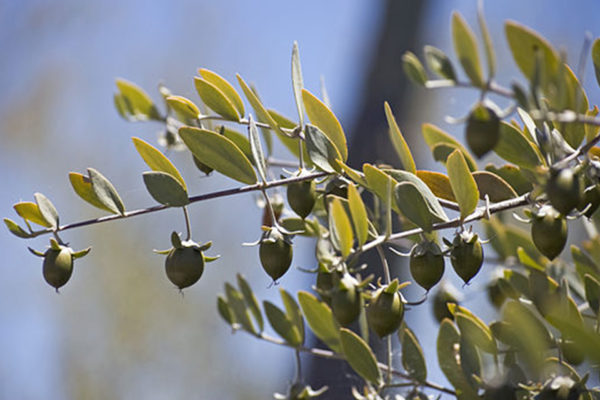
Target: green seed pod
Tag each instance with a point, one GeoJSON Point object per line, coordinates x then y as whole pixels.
{"type": "Point", "coordinates": [564, 190]}
{"type": "Point", "coordinates": [302, 196]}
{"type": "Point", "coordinates": [549, 232]}
{"type": "Point", "coordinates": [385, 312]}
{"type": "Point", "coordinates": [58, 266]}
{"type": "Point", "coordinates": [571, 352]}
{"type": "Point", "coordinates": [325, 284]}
{"type": "Point", "coordinates": [466, 255]}
{"type": "Point", "coordinates": [346, 301]}
{"type": "Point", "coordinates": [184, 265]}
{"type": "Point", "coordinates": [483, 130]}
{"type": "Point", "coordinates": [440, 302]}
{"type": "Point", "coordinates": [275, 253]}
{"type": "Point", "coordinates": [426, 264]}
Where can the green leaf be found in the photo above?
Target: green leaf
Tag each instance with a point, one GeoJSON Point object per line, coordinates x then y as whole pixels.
{"type": "Point", "coordinates": [439, 63]}
{"type": "Point", "coordinates": [465, 47]}
{"type": "Point", "coordinates": [297, 82]}
{"type": "Point", "coordinates": [47, 210]}
{"type": "Point", "coordinates": [413, 68]}
{"type": "Point", "coordinates": [225, 87]}
{"type": "Point", "coordinates": [293, 312]}
{"type": "Point", "coordinates": [527, 261]}
{"type": "Point", "coordinates": [476, 332]}
{"type": "Point", "coordinates": [239, 139]}
{"type": "Point", "coordinates": [487, 42]}
{"type": "Point", "coordinates": [261, 112]}
{"type": "Point", "coordinates": [256, 148]}
{"type": "Point", "coordinates": [584, 264]}
{"type": "Point", "coordinates": [360, 356]}
{"type": "Point", "coordinates": [341, 230]}
{"type": "Point", "coordinates": [321, 320]}
{"type": "Point", "coordinates": [250, 300]}
{"type": "Point", "coordinates": [573, 98]}
{"type": "Point", "coordinates": [165, 189]}
{"type": "Point", "coordinates": [137, 103]}
{"type": "Point", "coordinates": [290, 143]}
{"type": "Point", "coordinates": [448, 347]}
{"type": "Point", "coordinates": [321, 150]}
{"type": "Point", "coordinates": [306, 227]}
{"type": "Point", "coordinates": [378, 183]}
{"type": "Point", "coordinates": [592, 292]}
{"type": "Point", "coordinates": [219, 153]}
{"type": "Point", "coordinates": [513, 176]}
{"type": "Point", "coordinates": [31, 212]}
{"type": "Point", "coordinates": [524, 43]}
{"type": "Point", "coordinates": [238, 306]}
{"type": "Point", "coordinates": [413, 205]}
{"type": "Point", "coordinates": [400, 145]}
{"type": "Point", "coordinates": [358, 212]}
{"type": "Point", "coordinates": [105, 192]}
{"type": "Point", "coordinates": [514, 147]}
{"type": "Point", "coordinates": [321, 116]}
{"type": "Point", "coordinates": [596, 58]}
{"type": "Point", "coordinates": [82, 185]}
{"type": "Point", "coordinates": [282, 324]}
{"type": "Point", "coordinates": [434, 136]}
{"type": "Point", "coordinates": [15, 229]}
{"type": "Point", "coordinates": [216, 100]}
{"type": "Point", "coordinates": [591, 130]}
{"type": "Point", "coordinates": [156, 160]}
{"type": "Point", "coordinates": [184, 108]}
{"type": "Point", "coordinates": [224, 310]}
{"type": "Point", "coordinates": [413, 359]}
{"type": "Point", "coordinates": [353, 174]}
{"type": "Point", "coordinates": [438, 183]}
{"type": "Point", "coordinates": [496, 188]}
{"type": "Point", "coordinates": [463, 184]}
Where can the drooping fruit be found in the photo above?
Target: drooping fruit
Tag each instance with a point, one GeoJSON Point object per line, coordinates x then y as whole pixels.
{"type": "Point", "coordinates": [184, 265]}
{"type": "Point", "coordinates": [426, 264]}
{"type": "Point", "coordinates": [466, 255]}
{"type": "Point", "coordinates": [549, 231]}
{"type": "Point", "coordinates": [301, 197]}
{"type": "Point", "coordinates": [275, 253]}
{"type": "Point", "coordinates": [483, 130]}
{"type": "Point", "coordinates": [385, 312]}
{"type": "Point", "coordinates": [346, 300]}
{"type": "Point", "coordinates": [564, 190]}
{"type": "Point", "coordinates": [58, 266]}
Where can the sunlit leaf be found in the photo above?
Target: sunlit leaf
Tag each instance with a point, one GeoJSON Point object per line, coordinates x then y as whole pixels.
{"type": "Point", "coordinates": [321, 151]}
{"type": "Point", "coordinates": [514, 147]}
{"type": "Point", "coordinates": [340, 228]}
{"type": "Point", "coordinates": [360, 356]}
{"type": "Point", "coordinates": [591, 131]}
{"type": "Point", "coordinates": [297, 82]}
{"type": "Point", "coordinates": [358, 212]}
{"type": "Point", "coordinates": [31, 212]}
{"type": "Point", "coordinates": [82, 186]}
{"type": "Point", "coordinates": [465, 46]}
{"type": "Point", "coordinates": [105, 192]}
{"type": "Point", "coordinates": [487, 42]}
{"type": "Point", "coordinates": [261, 112]}
{"type": "Point", "coordinates": [216, 100]}
{"type": "Point", "coordinates": [463, 184]}
{"type": "Point", "coordinates": [475, 331]}
{"type": "Point", "coordinates": [15, 229]}
{"type": "Point", "coordinates": [135, 101]}
{"type": "Point", "coordinates": [321, 320]}
{"type": "Point", "coordinates": [400, 145]}
{"type": "Point", "coordinates": [184, 108]}
{"type": "Point", "coordinates": [322, 117]}
{"type": "Point", "coordinates": [47, 210]}
{"type": "Point", "coordinates": [240, 140]}
{"type": "Point", "coordinates": [225, 87]}
{"type": "Point", "coordinates": [434, 136]}
{"type": "Point", "coordinates": [438, 183]}
{"type": "Point", "coordinates": [156, 160]}
{"type": "Point", "coordinates": [413, 68]}
{"type": "Point", "coordinates": [256, 148]}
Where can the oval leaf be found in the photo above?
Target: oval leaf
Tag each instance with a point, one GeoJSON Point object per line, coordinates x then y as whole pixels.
{"type": "Point", "coordinates": [47, 210]}
{"type": "Point", "coordinates": [281, 324]}
{"type": "Point", "coordinates": [106, 192]}
{"type": "Point", "coordinates": [400, 145]}
{"type": "Point", "coordinates": [224, 310]}
{"type": "Point", "coordinates": [321, 320]}
{"type": "Point", "coordinates": [358, 212]}
{"type": "Point", "coordinates": [31, 212]}
{"type": "Point", "coordinates": [476, 332]}
{"type": "Point", "coordinates": [250, 300]}
{"type": "Point", "coordinates": [238, 306]}
{"type": "Point", "coordinates": [438, 183]}
{"type": "Point", "coordinates": [261, 112]}
{"type": "Point", "coordinates": [592, 292]}
{"type": "Point", "coordinates": [465, 46]}
{"type": "Point", "coordinates": [135, 101]}
{"type": "Point", "coordinates": [596, 58]}
{"type": "Point", "coordinates": [439, 63]}
{"type": "Point", "coordinates": [496, 188]}
{"type": "Point", "coordinates": [321, 150]}
{"type": "Point", "coordinates": [225, 87]}
{"type": "Point", "coordinates": [184, 108]}
{"type": "Point", "coordinates": [292, 310]}
{"type": "Point", "coordinates": [413, 205]}
{"type": "Point", "coordinates": [341, 230]}
{"type": "Point", "coordinates": [487, 42]}
{"type": "Point", "coordinates": [156, 160]}
{"type": "Point", "coordinates": [514, 147]}
{"type": "Point", "coordinates": [165, 189]}
{"type": "Point", "coordinates": [216, 100]}
{"type": "Point", "coordinates": [462, 182]}
{"type": "Point", "coordinates": [321, 116]}
{"type": "Point", "coordinates": [413, 359]}
{"type": "Point", "coordinates": [15, 229]}
{"type": "Point", "coordinates": [82, 185]}
{"type": "Point", "coordinates": [219, 153]}
{"type": "Point", "coordinates": [434, 136]}
{"type": "Point", "coordinates": [360, 356]}
{"type": "Point", "coordinates": [413, 68]}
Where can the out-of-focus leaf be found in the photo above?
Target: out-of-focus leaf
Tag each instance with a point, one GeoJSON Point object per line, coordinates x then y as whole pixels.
{"type": "Point", "coordinates": [496, 188]}
{"type": "Point", "coordinates": [378, 181]}
{"type": "Point", "coordinates": [527, 261]}
{"type": "Point", "coordinates": [574, 98]}
{"type": "Point", "coordinates": [321, 116]}
{"type": "Point", "coordinates": [47, 210]}
{"type": "Point", "coordinates": [358, 212]}
{"type": "Point", "coordinates": [31, 212]}
{"type": "Point", "coordinates": [256, 147]}
{"type": "Point", "coordinates": [321, 320]}
{"type": "Point", "coordinates": [413, 68]}
{"type": "Point", "coordinates": [15, 229]}
{"type": "Point", "coordinates": [165, 189]}
{"type": "Point", "coordinates": [439, 63]}
{"type": "Point", "coordinates": [353, 174]}
{"type": "Point", "coordinates": [340, 228]}
{"type": "Point", "coordinates": [592, 292]}
{"type": "Point", "coordinates": [413, 359]}
{"type": "Point", "coordinates": [592, 130]}
{"type": "Point", "coordinates": [463, 184]}
{"type": "Point", "coordinates": [596, 58]}
{"type": "Point", "coordinates": [400, 145]}
{"type": "Point", "coordinates": [490, 55]}
{"type": "Point", "coordinates": [261, 112]}
{"type": "Point", "coordinates": [475, 331]}
{"type": "Point", "coordinates": [513, 176]}
{"type": "Point", "coordinates": [434, 136]}
{"type": "Point", "coordinates": [297, 82]}
{"type": "Point", "coordinates": [184, 108]}
{"type": "Point", "coordinates": [438, 183]}
{"type": "Point", "coordinates": [224, 310]}
{"type": "Point", "coordinates": [156, 160]}
{"type": "Point", "coordinates": [514, 147]}
{"type": "Point", "coordinates": [306, 227]}
{"type": "Point", "coordinates": [219, 153]}
{"type": "Point", "coordinates": [225, 87]}
{"type": "Point", "coordinates": [250, 300]}
{"type": "Point", "coordinates": [238, 306]}
{"type": "Point", "coordinates": [282, 324]}
{"type": "Point", "coordinates": [584, 264]}
{"type": "Point", "coordinates": [465, 46]}
{"type": "Point", "coordinates": [293, 312]}
{"type": "Point", "coordinates": [360, 356]}
{"type": "Point", "coordinates": [321, 151]}
{"type": "Point", "coordinates": [136, 101]}
{"type": "Point", "coordinates": [82, 186]}
{"type": "Point", "coordinates": [216, 99]}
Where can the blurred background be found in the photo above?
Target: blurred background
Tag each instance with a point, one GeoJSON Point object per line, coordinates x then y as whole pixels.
{"type": "Point", "coordinates": [119, 329]}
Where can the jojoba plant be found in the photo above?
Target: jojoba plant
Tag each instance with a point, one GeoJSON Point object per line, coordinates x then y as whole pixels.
{"type": "Point", "coordinates": [543, 131]}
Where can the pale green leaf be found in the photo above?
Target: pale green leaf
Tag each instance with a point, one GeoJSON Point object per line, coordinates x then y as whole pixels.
{"type": "Point", "coordinates": [225, 87]}
{"type": "Point", "coordinates": [239, 139]}
{"type": "Point", "coordinates": [47, 210]}
{"type": "Point", "coordinates": [290, 143]}
{"type": "Point", "coordinates": [293, 312]}
{"type": "Point", "coordinates": [360, 356]}
{"type": "Point", "coordinates": [82, 186]}
{"type": "Point", "coordinates": [106, 192]}
{"type": "Point", "coordinates": [438, 62]}
{"type": "Point", "coordinates": [378, 183]}
{"type": "Point", "coordinates": [358, 212]}
{"type": "Point", "coordinates": [514, 147]}
{"type": "Point", "coordinates": [490, 55]}
{"type": "Point", "coordinates": [596, 58]}
{"type": "Point", "coordinates": [256, 148]}
{"type": "Point", "coordinates": [135, 101]}
{"type": "Point", "coordinates": [184, 108]}
{"type": "Point", "coordinates": [238, 306]}
{"type": "Point", "coordinates": [15, 229]}
{"type": "Point", "coordinates": [438, 183]}
{"type": "Point", "coordinates": [476, 332]}
{"type": "Point", "coordinates": [216, 100]}
{"type": "Point", "coordinates": [413, 205]}
{"type": "Point", "coordinates": [282, 324]}
{"type": "Point", "coordinates": [31, 212]}
{"type": "Point", "coordinates": [413, 68]}
{"type": "Point", "coordinates": [225, 311]}
{"type": "Point", "coordinates": [261, 112]}
{"type": "Point", "coordinates": [462, 182]}
{"type": "Point", "coordinates": [413, 359]}
{"type": "Point", "coordinates": [156, 160]}
{"type": "Point", "coordinates": [321, 320]}
{"type": "Point", "coordinates": [465, 47]}
{"type": "Point", "coordinates": [592, 130]}
{"type": "Point", "coordinates": [400, 145]}
{"type": "Point", "coordinates": [250, 300]}
{"type": "Point", "coordinates": [297, 82]}
{"type": "Point", "coordinates": [165, 189]}
{"type": "Point", "coordinates": [321, 116]}
{"type": "Point", "coordinates": [340, 228]}
{"type": "Point", "coordinates": [219, 153]}
{"type": "Point", "coordinates": [434, 136]}
{"type": "Point", "coordinates": [321, 151]}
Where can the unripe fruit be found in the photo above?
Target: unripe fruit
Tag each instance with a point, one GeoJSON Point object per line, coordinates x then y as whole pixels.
{"type": "Point", "coordinates": [184, 266]}
{"type": "Point", "coordinates": [466, 255]}
{"type": "Point", "coordinates": [385, 312]}
{"type": "Point", "coordinates": [346, 301]}
{"type": "Point", "coordinates": [564, 190]}
{"type": "Point", "coordinates": [325, 284]}
{"type": "Point", "coordinates": [549, 232]}
{"type": "Point", "coordinates": [483, 130]}
{"type": "Point", "coordinates": [58, 266]}
{"type": "Point", "coordinates": [426, 264]}
{"type": "Point", "coordinates": [275, 253]}
{"type": "Point", "coordinates": [571, 352]}
{"type": "Point", "coordinates": [302, 196]}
